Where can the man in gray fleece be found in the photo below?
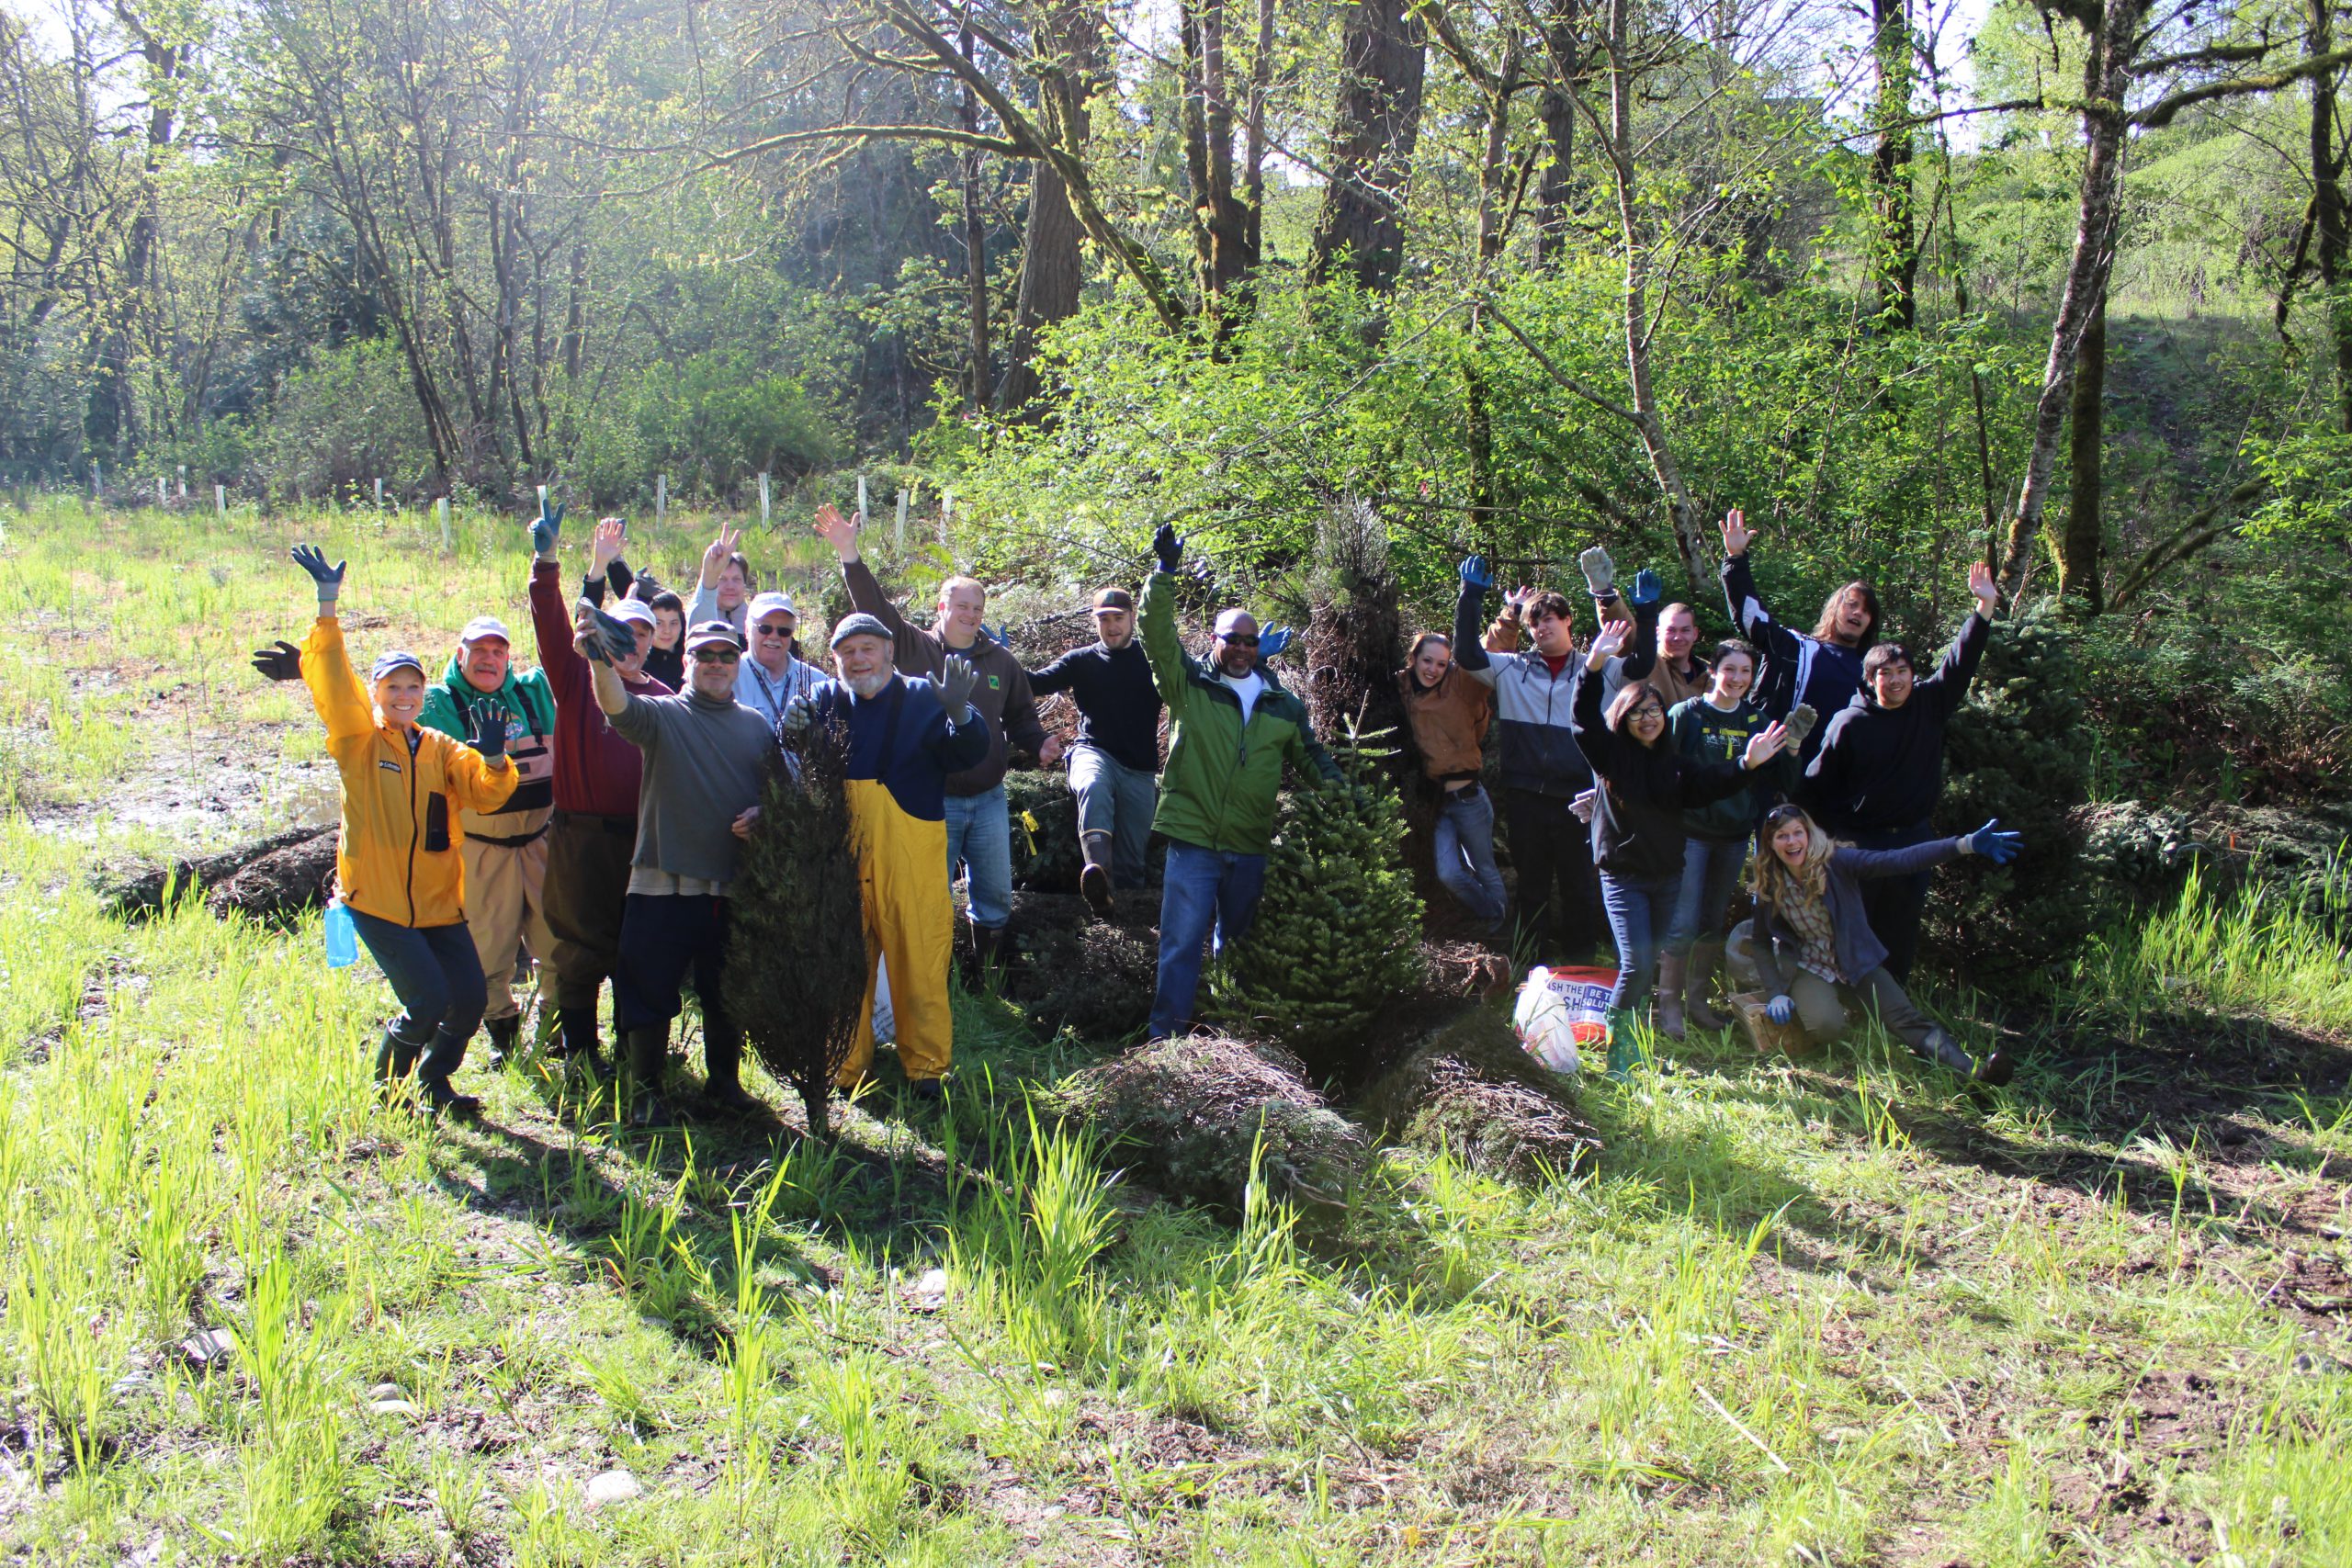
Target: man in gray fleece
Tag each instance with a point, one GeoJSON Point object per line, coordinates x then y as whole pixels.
{"type": "Point", "coordinates": [706, 759]}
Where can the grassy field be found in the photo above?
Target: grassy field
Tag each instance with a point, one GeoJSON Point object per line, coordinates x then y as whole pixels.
{"type": "Point", "coordinates": [1841, 1311]}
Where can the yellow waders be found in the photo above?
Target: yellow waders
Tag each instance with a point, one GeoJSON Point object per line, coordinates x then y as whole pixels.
{"type": "Point", "coordinates": [910, 920]}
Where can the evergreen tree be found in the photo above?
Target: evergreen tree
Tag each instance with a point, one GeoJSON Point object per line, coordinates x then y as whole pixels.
{"type": "Point", "coordinates": [1336, 936]}
{"type": "Point", "coordinates": [796, 965]}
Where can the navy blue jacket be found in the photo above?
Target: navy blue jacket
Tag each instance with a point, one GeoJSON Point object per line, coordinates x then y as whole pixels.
{"type": "Point", "coordinates": [1798, 667]}
{"type": "Point", "coordinates": [1118, 706]}
{"type": "Point", "coordinates": [900, 736]}
{"type": "Point", "coordinates": [1880, 770]}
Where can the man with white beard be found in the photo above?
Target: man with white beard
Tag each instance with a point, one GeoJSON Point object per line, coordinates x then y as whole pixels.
{"type": "Point", "coordinates": [904, 736]}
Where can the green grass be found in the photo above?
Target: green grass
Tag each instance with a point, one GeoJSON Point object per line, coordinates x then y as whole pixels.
{"type": "Point", "coordinates": [1842, 1311]}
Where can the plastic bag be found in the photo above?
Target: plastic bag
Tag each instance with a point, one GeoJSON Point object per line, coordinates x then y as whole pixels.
{"type": "Point", "coordinates": [1561, 1011]}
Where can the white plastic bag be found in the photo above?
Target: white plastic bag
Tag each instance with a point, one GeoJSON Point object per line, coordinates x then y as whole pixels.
{"type": "Point", "coordinates": [1561, 1011]}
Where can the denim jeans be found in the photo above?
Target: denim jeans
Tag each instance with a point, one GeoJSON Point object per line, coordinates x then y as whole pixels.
{"type": "Point", "coordinates": [979, 839]}
{"type": "Point", "coordinates": [437, 974]}
{"type": "Point", "coordinates": [1204, 893]}
{"type": "Point", "coordinates": [1711, 869]}
{"type": "Point", "coordinates": [1116, 800]}
{"type": "Point", "coordinates": [1638, 912]}
{"type": "Point", "coordinates": [1466, 852]}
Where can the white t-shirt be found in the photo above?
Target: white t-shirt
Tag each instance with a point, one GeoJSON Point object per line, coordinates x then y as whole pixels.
{"type": "Point", "coordinates": [1248, 688]}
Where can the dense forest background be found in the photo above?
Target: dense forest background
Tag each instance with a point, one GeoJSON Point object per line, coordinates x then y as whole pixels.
{"type": "Point", "coordinates": [2062, 285]}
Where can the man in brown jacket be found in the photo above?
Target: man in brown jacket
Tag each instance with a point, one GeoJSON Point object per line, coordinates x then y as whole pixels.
{"type": "Point", "coordinates": [980, 829]}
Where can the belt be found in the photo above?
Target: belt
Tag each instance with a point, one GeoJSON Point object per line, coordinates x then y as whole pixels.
{"type": "Point", "coordinates": [619, 827]}
{"type": "Point", "coordinates": [513, 841]}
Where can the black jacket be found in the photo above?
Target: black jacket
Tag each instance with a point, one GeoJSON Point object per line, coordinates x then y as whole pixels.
{"type": "Point", "coordinates": [1118, 707]}
{"type": "Point", "coordinates": [1880, 770]}
{"type": "Point", "coordinates": [1637, 817]}
{"type": "Point", "coordinates": [1798, 667]}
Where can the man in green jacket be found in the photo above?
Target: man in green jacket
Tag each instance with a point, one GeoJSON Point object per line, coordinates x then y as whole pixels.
{"type": "Point", "coordinates": [506, 851]}
{"type": "Point", "coordinates": [1230, 730]}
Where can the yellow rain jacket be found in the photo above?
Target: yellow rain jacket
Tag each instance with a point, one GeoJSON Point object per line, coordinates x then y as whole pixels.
{"type": "Point", "coordinates": [397, 856]}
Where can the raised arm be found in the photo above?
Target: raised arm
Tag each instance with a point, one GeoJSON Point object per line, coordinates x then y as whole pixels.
{"type": "Point", "coordinates": [1641, 647]}
{"type": "Point", "coordinates": [1586, 721]}
{"type": "Point", "coordinates": [865, 590]}
{"type": "Point", "coordinates": [1469, 608]}
{"type": "Point", "coordinates": [343, 704]}
{"type": "Point", "coordinates": [1162, 649]}
{"type": "Point", "coordinates": [1948, 687]}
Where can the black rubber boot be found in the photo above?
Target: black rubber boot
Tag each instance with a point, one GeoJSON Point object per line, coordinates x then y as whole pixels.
{"type": "Point", "coordinates": [649, 1060]}
{"type": "Point", "coordinates": [988, 958]}
{"type": "Point", "coordinates": [505, 1035]}
{"type": "Point", "coordinates": [395, 1066]}
{"type": "Point", "coordinates": [441, 1062]}
{"type": "Point", "coordinates": [1941, 1048]}
{"type": "Point", "coordinates": [1094, 877]}
{"type": "Point", "coordinates": [722, 1060]}
{"type": "Point", "coordinates": [577, 1043]}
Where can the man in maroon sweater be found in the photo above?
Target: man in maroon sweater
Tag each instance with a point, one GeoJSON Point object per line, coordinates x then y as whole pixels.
{"type": "Point", "coordinates": [593, 832]}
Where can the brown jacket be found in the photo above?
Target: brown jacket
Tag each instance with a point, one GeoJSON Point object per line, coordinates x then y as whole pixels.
{"type": "Point", "coordinates": [1449, 722]}
{"type": "Point", "coordinates": [1003, 695]}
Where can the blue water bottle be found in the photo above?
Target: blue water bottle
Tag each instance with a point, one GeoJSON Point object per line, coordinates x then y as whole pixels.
{"type": "Point", "coordinates": [342, 937]}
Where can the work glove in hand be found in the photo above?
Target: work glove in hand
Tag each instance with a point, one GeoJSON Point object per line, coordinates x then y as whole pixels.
{"type": "Point", "coordinates": [310, 558]}
{"type": "Point", "coordinates": [615, 638]}
{"type": "Point", "coordinates": [546, 528]}
{"type": "Point", "coordinates": [1168, 546]}
{"type": "Point", "coordinates": [1994, 843]}
{"type": "Point", "coordinates": [281, 661]}
{"type": "Point", "coordinates": [486, 730]}
{"type": "Point", "coordinates": [799, 715]}
{"type": "Point", "coordinates": [1799, 723]}
{"type": "Point", "coordinates": [1600, 572]}
{"type": "Point", "coordinates": [1645, 589]}
{"type": "Point", "coordinates": [1272, 641]}
{"type": "Point", "coordinates": [1780, 1009]}
{"type": "Point", "coordinates": [1476, 573]}
{"type": "Point", "coordinates": [956, 686]}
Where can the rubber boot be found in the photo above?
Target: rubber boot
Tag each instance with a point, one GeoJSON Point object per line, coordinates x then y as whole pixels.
{"type": "Point", "coordinates": [577, 1043]}
{"type": "Point", "coordinates": [505, 1037]}
{"type": "Point", "coordinates": [433, 1075]}
{"type": "Point", "coordinates": [648, 1058]}
{"type": "Point", "coordinates": [722, 1062]}
{"type": "Point", "coordinates": [1624, 1050]}
{"type": "Point", "coordinates": [988, 957]}
{"type": "Point", "coordinates": [1094, 877]}
{"type": "Point", "coordinates": [1944, 1051]}
{"type": "Point", "coordinates": [1670, 966]}
{"type": "Point", "coordinates": [395, 1068]}
{"type": "Point", "coordinates": [1699, 984]}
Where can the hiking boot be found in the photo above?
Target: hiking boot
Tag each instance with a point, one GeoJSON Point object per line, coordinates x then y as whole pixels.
{"type": "Point", "coordinates": [1670, 968]}
{"type": "Point", "coordinates": [1996, 1069]}
{"type": "Point", "coordinates": [651, 1111]}
{"type": "Point", "coordinates": [442, 1100]}
{"type": "Point", "coordinates": [732, 1101]}
{"type": "Point", "coordinates": [926, 1094]}
{"type": "Point", "coordinates": [505, 1035]}
{"type": "Point", "coordinates": [1094, 882]}
{"type": "Point", "coordinates": [1698, 985]}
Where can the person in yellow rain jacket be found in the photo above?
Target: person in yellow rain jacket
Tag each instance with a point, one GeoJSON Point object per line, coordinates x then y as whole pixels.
{"type": "Point", "coordinates": [397, 866]}
{"type": "Point", "coordinates": [906, 734]}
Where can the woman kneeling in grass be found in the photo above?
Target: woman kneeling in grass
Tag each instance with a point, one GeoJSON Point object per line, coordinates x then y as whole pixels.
{"type": "Point", "coordinates": [397, 863]}
{"type": "Point", "coordinates": [1812, 946]}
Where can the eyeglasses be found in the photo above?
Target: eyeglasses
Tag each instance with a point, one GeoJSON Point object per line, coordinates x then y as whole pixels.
{"type": "Point", "coordinates": [775, 631]}
{"type": "Point", "coordinates": [1239, 640]}
{"type": "Point", "coordinates": [715, 656]}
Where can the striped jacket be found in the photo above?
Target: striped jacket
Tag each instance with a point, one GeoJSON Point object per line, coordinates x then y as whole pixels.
{"type": "Point", "coordinates": [1533, 708]}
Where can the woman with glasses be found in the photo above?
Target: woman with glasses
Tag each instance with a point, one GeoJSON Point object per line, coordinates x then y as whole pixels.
{"type": "Point", "coordinates": [1637, 836]}
{"type": "Point", "coordinates": [1811, 947]}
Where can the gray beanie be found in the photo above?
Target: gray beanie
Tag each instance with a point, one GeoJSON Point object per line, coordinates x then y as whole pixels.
{"type": "Point", "coordinates": [859, 625]}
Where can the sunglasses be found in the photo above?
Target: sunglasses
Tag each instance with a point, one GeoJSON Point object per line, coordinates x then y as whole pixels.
{"type": "Point", "coordinates": [1238, 639]}
{"type": "Point", "coordinates": [715, 656]}
{"type": "Point", "coordinates": [775, 631]}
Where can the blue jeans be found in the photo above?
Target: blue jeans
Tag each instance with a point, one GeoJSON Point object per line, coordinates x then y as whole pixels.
{"type": "Point", "coordinates": [1117, 801]}
{"type": "Point", "coordinates": [437, 974]}
{"type": "Point", "coordinates": [1466, 852]}
{"type": "Point", "coordinates": [979, 838]}
{"type": "Point", "coordinates": [1638, 912]}
{"type": "Point", "coordinates": [1202, 892]}
{"type": "Point", "coordinates": [1711, 869]}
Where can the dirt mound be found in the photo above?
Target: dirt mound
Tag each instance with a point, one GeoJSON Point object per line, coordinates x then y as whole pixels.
{"type": "Point", "coordinates": [1189, 1116]}
{"type": "Point", "coordinates": [274, 879]}
{"type": "Point", "coordinates": [1068, 968]}
{"type": "Point", "coordinates": [1471, 1090]}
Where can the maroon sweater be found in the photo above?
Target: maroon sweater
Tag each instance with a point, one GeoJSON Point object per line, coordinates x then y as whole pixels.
{"type": "Point", "coordinates": [596, 772]}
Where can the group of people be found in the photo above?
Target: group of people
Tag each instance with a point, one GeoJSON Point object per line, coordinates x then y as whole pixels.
{"type": "Point", "coordinates": [588, 815]}
{"type": "Point", "coordinates": [1637, 772]}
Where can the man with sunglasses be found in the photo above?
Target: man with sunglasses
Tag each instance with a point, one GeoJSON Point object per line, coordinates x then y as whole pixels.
{"type": "Point", "coordinates": [706, 761]}
{"type": "Point", "coordinates": [1231, 729]}
{"type": "Point", "coordinates": [774, 675]}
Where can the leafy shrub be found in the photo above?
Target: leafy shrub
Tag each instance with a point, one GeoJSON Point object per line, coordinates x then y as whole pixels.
{"type": "Point", "coordinates": [349, 417]}
{"type": "Point", "coordinates": [712, 423]}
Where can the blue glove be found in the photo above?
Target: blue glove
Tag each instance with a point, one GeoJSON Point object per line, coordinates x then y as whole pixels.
{"type": "Point", "coordinates": [1272, 641]}
{"type": "Point", "coordinates": [1645, 589]}
{"type": "Point", "coordinates": [1476, 573]}
{"type": "Point", "coordinates": [1995, 844]}
{"type": "Point", "coordinates": [486, 729]}
{"type": "Point", "coordinates": [1780, 1009]}
{"type": "Point", "coordinates": [545, 529]}
{"type": "Point", "coordinates": [310, 558]}
{"type": "Point", "coordinates": [1001, 635]}
{"type": "Point", "coordinates": [1168, 546]}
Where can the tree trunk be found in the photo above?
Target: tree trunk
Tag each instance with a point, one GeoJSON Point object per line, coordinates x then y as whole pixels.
{"type": "Point", "coordinates": [2330, 233]}
{"type": "Point", "coordinates": [1051, 277]}
{"type": "Point", "coordinates": [1377, 122]}
{"type": "Point", "coordinates": [2080, 586]}
{"type": "Point", "coordinates": [1559, 136]}
{"type": "Point", "coordinates": [976, 261]}
{"type": "Point", "coordinates": [1222, 257]}
{"type": "Point", "coordinates": [1895, 251]}
{"type": "Point", "coordinates": [1253, 168]}
{"type": "Point", "coordinates": [2106, 87]}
